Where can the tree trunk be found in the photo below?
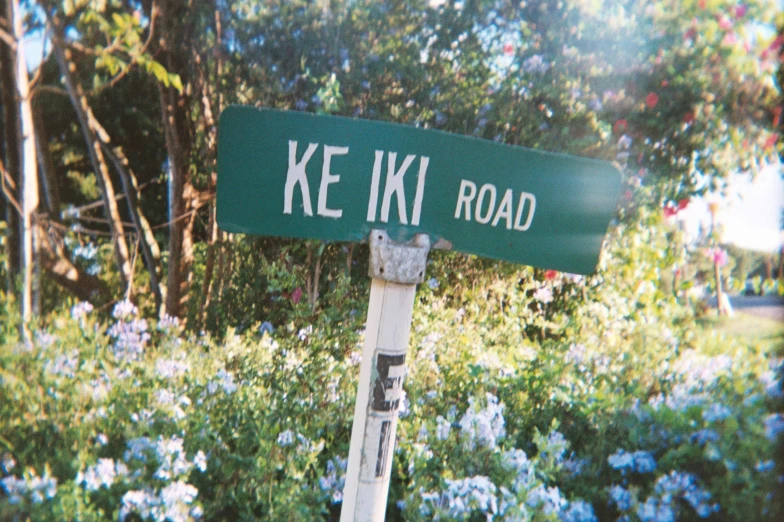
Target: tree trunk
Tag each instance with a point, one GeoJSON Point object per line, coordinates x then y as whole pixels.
{"type": "Point", "coordinates": [29, 184]}
{"type": "Point", "coordinates": [177, 129]}
{"type": "Point", "coordinates": [49, 187]}
{"type": "Point", "coordinates": [84, 115]}
{"type": "Point", "coordinates": [60, 268]}
{"type": "Point", "coordinates": [150, 249]}
{"type": "Point", "coordinates": [211, 131]}
{"type": "Point", "coordinates": [11, 151]}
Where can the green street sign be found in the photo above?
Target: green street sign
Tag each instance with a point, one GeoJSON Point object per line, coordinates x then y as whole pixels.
{"type": "Point", "coordinates": [293, 174]}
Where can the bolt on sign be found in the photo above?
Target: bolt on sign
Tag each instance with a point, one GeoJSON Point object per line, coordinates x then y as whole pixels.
{"type": "Point", "coordinates": [293, 174]}
{"type": "Point", "coordinates": [403, 189]}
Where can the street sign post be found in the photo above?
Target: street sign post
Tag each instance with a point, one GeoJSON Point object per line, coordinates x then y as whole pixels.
{"type": "Point", "coordinates": [404, 190]}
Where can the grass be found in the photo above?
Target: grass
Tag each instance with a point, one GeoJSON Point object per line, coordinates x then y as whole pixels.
{"type": "Point", "coordinates": [748, 328]}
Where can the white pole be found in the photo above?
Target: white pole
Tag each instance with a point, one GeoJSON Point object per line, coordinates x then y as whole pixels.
{"type": "Point", "coordinates": [395, 270]}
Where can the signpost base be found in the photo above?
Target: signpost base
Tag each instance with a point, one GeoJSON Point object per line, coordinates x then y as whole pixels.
{"type": "Point", "coordinates": [395, 270]}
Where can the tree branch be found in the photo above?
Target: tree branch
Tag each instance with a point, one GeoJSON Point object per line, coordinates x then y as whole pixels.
{"type": "Point", "coordinates": [8, 39]}
{"type": "Point", "coordinates": [5, 177]}
{"type": "Point", "coordinates": [51, 89]}
{"type": "Point", "coordinates": [134, 59]}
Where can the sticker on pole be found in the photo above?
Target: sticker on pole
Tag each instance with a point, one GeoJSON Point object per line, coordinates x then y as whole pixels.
{"type": "Point", "coordinates": [294, 174]}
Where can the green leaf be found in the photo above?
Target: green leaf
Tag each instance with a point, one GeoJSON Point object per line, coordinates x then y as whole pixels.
{"type": "Point", "coordinates": [159, 71]}
{"type": "Point", "coordinates": [175, 81]}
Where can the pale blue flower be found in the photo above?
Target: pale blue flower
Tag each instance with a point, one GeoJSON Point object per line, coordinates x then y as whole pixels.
{"type": "Point", "coordinates": [774, 425]}
{"type": "Point", "coordinates": [716, 412]}
{"type": "Point", "coordinates": [442, 428]}
{"type": "Point", "coordinates": [621, 497]}
{"type": "Point", "coordinates": [81, 309]}
{"type": "Point", "coordinates": [285, 438]}
{"type": "Point", "coordinates": [578, 511]}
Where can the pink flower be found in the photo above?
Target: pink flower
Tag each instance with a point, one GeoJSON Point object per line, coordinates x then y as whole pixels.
{"type": "Point", "coordinates": [544, 295]}
{"type": "Point", "coordinates": [718, 256]}
{"type": "Point", "coordinates": [620, 126]}
{"type": "Point", "coordinates": [550, 274]}
{"type": "Point", "coordinates": [296, 295]}
{"type": "Point", "coordinates": [669, 211]}
{"type": "Point", "coordinates": [740, 11]}
{"type": "Point", "coordinates": [683, 203]}
{"type": "Point", "coordinates": [688, 118]}
{"type": "Point", "coordinates": [651, 100]}
{"type": "Point", "coordinates": [508, 49]}
{"type": "Point", "coordinates": [725, 23]}
{"type": "Point", "coordinates": [730, 39]}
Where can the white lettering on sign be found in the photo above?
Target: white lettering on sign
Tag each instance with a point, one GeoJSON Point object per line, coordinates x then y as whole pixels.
{"type": "Point", "coordinates": [327, 179]}
{"type": "Point", "coordinates": [394, 187]}
{"type": "Point", "coordinates": [297, 174]}
{"type": "Point", "coordinates": [486, 210]}
{"type": "Point", "coordinates": [373, 201]}
{"type": "Point", "coordinates": [486, 188]}
{"type": "Point", "coordinates": [464, 200]}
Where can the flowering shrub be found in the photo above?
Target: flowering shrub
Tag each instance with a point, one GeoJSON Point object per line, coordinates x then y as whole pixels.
{"type": "Point", "coordinates": [531, 395]}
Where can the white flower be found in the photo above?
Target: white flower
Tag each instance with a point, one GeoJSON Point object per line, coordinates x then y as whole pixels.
{"type": "Point", "coordinates": [544, 295]}
{"type": "Point", "coordinates": [139, 502]}
{"type": "Point", "coordinates": [170, 368]}
{"type": "Point", "coordinates": [200, 461]}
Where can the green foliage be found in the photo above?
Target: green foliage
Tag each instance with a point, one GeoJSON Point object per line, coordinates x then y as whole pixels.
{"type": "Point", "coordinates": [532, 400]}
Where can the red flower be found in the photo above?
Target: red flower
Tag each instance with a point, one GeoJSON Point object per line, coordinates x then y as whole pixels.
{"type": "Point", "coordinates": [691, 34]}
{"type": "Point", "coordinates": [508, 49]}
{"type": "Point", "coordinates": [550, 274]}
{"type": "Point", "coordinates": [296, 295]}
{"type": "Point", "coordinates": [776, 116]}
{"type": "Point", "coordinates": [771, 141]}
{"type": "Point", "coordinates": [702, 4]}
{"type": "Point", "coordinates": [651, 100]}
{"type": "Point", "coordinates": [683, 203]}
{"type": "Point", "coordinates": [665, 83]}
{"type": "Point", "coordinates": [688, 117]}
{"type": "Point", "coordinates": [620, 126]}
{"type": "Point", "coordinates": [669, 211]}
